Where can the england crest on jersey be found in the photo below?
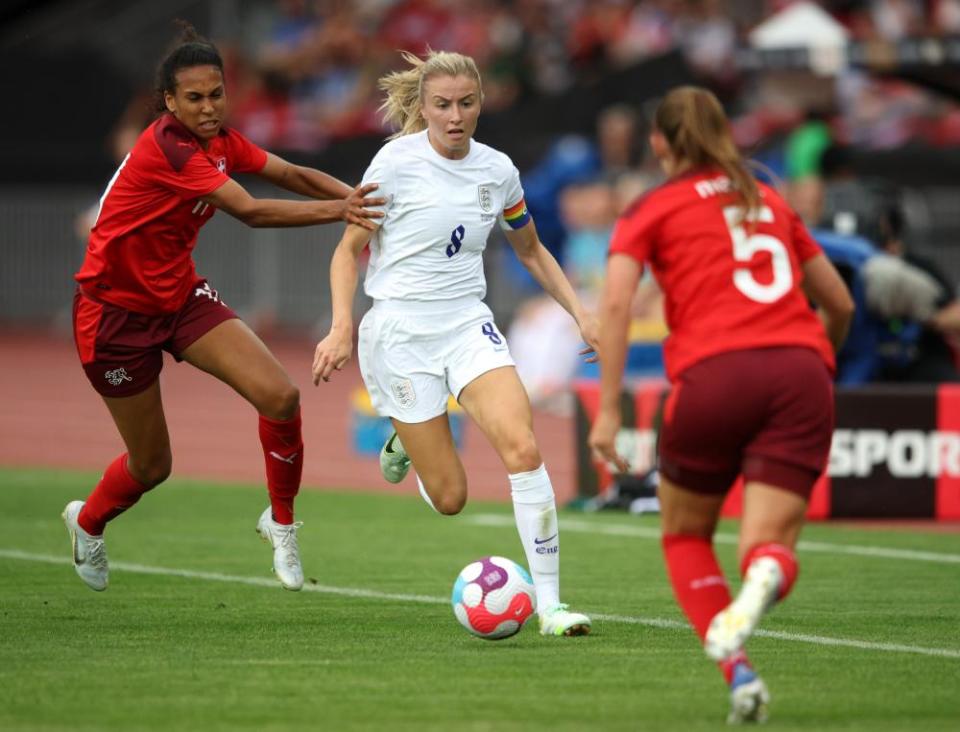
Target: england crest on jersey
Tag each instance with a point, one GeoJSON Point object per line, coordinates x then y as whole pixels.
{"type": "Point", "coordinates": [486, 201]}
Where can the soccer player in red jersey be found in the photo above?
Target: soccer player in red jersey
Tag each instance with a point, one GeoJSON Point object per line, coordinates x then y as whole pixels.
{"type": "Point", "coordinates": [750, 364]}
{"type": "Point", "coordinates": [139, 294]}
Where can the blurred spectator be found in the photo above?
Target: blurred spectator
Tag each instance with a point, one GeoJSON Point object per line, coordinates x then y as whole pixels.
{"type": "Point", "coordinates": [908, 293]}
{"type": "Point", "coordinates": [542, 342]}
{"type": "Point", "coordinates": [805, 196]}
{"type": "Point", "coordinates": [708, 37]}
{"type": "Point", "coordinates": [262, 110]}
{"type": "Point", "coordinates": [619, 141]}
{"type": "Point", "coordinates": [597, 28]}
{"type": "Point", "coordinates": [946, 17]}
{"type": "Point", "coordinates": [805, 144]}
{"type": "Point", "coordinates": [416, 26]}
{"type": "Point", "coordinates": [648, 31]}
{"type": "Point", "coordinates": [573, 159]}
{"type": "Point", "coordinates": [895, 20]}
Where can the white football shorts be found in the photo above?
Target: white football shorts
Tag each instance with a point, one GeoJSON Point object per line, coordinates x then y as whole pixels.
{"type": "Point", "coordinates": [413, 354]}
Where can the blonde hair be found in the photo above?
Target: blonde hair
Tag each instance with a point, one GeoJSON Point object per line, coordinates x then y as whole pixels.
{"type": "Point", "coordinates": [692, 120]}
{"type": "Point", "coordinates": [404, 89]}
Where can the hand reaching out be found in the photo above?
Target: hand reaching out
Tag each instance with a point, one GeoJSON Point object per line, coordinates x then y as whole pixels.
{"type": "Point", "coordinates": [331, 354]}
{"type": "Point", "coordinates": [590, 333]}
{"type": "Point", "coordinates": [354, 207]}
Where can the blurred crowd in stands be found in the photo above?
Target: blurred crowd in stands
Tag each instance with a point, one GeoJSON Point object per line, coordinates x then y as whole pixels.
{"type": "Point", "coordinates": [303, 72]}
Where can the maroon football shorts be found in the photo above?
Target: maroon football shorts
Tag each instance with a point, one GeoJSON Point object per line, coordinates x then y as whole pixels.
{"type": "Point", "coordinates": [121, 351]}
{"type": "Point", "coordinates": [765, 413]}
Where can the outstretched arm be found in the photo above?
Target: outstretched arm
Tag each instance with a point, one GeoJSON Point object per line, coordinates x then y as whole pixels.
{"type": "Point", "coordinates": [322, 186]}
{"type": "Point", "coordinates": [540, 263]}
{"type": "Point", "coordinates": [335, 350]}
{"type": "Point", "coordinates": [273, 212]}
{"type": "Point", "coordinates": [308, 182]}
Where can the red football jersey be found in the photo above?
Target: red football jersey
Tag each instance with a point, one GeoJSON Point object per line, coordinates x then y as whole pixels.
{"type": "Point", "coordinates": [139, 251]}
{"type": "Point", "coordinates": [728, 284]}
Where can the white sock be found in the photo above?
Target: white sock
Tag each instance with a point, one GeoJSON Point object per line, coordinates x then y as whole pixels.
{"type": "Point", "coordinates": [424, 494]}
{"type": "Point", "coordinates": [535, 511]}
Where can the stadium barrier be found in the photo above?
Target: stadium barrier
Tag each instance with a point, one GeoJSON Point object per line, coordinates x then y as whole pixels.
{"type": "Point", "coordinates": [895, 452]}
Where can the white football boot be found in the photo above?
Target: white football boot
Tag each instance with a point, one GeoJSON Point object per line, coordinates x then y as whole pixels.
{"type": "Point", "coordinates": [286, 552]}
{"type": "Point", "coordinates": [731, 627]}
{"type": "Point", "coordinates": [558, 620]}
{"type": "Point", "coordinates": [394, 461]}
{"type": "Point", "coordinates": [748, 697]}
{"type": "Point", "coordinates": [89, 553]}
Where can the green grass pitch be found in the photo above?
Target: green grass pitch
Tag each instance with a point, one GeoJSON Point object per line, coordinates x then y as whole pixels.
{"type": "Point", "coordinates": [194, 633]}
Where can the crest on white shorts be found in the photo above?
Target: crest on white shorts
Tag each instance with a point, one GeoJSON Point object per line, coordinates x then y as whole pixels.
{"type": "Point", "coordinates": [486, 200]}
{"type": "Point", "coordinates": [403, 393]}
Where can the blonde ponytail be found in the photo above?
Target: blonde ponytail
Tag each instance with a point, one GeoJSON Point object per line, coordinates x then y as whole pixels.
{"type": "Point", "coordinates": [403, 102]}
{"type": "Point", "coordinates": [696, 128]}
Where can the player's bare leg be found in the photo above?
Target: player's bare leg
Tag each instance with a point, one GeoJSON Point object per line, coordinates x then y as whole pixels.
{"type": "Point", "coordinates": [498, 403]}
{"type": "Point", "coordinates": [233, 353]}
{"type": "Point", "coordinates": [431, 450]}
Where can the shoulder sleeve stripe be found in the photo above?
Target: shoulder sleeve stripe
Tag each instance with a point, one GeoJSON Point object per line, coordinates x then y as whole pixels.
{"type": "Point", "coordinates": [176, 144]}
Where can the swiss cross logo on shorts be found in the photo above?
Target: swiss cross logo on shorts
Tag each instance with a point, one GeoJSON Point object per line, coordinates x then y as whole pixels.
{"type": "Point", "coordinates": [207, 291]}
{"type": "Point", "coordinates": [403, 393]}
{"type": "Point", "coordinates": [115, 377]}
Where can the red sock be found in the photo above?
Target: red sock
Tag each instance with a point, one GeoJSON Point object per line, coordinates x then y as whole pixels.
{"type": "Point", "coordinates": [114, 494]}
{"type": "Point", "coordinates": [698, 582]}
{"type": "Point", "coordinates": [783, 555]}
{"type": "Point", "coordinates": [699, 586]}
{"type": "Point", "coordinates": [283, 453]}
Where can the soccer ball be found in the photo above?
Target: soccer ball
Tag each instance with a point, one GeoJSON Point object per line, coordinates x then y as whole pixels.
{"type": "Point", "coordinates": [493, 597]}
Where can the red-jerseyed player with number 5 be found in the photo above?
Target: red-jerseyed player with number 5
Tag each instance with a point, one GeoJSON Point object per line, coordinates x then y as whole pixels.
{"type": "Point", "coordinates": [750, 366]}
{"type": "Point", "coordinates": [139, 294]}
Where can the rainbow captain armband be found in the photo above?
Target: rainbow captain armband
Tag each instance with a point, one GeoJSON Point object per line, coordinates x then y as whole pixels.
{"type": "Point", "coordinates": [517, 215]}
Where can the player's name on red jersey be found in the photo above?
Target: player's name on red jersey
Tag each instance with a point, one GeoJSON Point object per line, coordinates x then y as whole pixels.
{"type": "Point", "coordinates": [729, 283]}
{"type": "Point", "coordinates": [139, 255]}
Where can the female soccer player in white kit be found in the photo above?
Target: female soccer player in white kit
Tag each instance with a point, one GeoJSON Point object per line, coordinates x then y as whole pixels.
{"type": "Point", "coordinates": [429, 334]}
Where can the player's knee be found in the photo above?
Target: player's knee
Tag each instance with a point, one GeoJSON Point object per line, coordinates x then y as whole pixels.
{"type": "Point", "coordinates": [282, 404]}
{"type": "Point", "coordinates": [151, 471]}
{"type": "Point", "coordinates": [448, 497]}
{"type": "Point", "coordinates": [680, 517]}
{"type": "Point", "coordinates": [450, 504]}
{"type": "Point", "coordinates": [521, 454]}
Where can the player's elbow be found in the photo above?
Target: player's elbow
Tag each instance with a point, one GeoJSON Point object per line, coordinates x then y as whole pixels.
{"type": "Point", "coordinates": [528, 254]}
{"type": "Point", "coordinates": [844, 308]}
{"type": "Point", "coordinates": [244, 211]}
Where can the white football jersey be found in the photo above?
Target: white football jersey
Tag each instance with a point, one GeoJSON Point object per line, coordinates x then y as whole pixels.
{"type": "Point", "coordinates": [438, 215]}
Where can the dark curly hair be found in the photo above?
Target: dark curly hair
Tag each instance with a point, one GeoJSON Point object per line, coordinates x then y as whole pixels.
{"type": "Point", "coordinates": [190, 49]}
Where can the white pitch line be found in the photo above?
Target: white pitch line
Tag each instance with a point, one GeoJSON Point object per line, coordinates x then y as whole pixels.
{"type": "Point", "coordinates": [232, 578]}
{"type": "Point", "coordinates": [643, 532]}
{"type": "Point", "coordinates": [428, 599]}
